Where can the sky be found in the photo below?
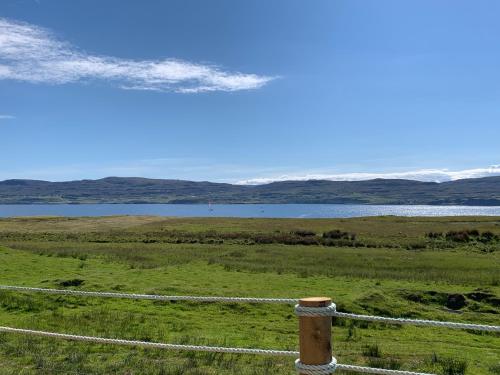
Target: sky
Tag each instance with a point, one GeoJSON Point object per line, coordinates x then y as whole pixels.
{"type": "Point", "coordinates": [249, 91]}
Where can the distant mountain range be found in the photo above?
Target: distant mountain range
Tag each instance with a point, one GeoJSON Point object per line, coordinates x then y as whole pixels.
{"type": "Point", "coordinates": [478, 191]}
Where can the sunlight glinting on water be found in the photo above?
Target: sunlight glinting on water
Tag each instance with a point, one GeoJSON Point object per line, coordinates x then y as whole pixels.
{"type": "Point", "coordinates": [246, 210]}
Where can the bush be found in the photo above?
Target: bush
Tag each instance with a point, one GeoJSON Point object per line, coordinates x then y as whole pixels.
{"type": "Point", "coordinates": [263, 239]}
{"type": "Point", "coordinates": [458, 236]}
{"type": "Point", "coordinates": [339, 235]}
{"type": "Point", "coordinates": [450, 366]}
{"type": "Point", "coordinates": [473, 232]}
{"type": "Point", "coordinates": [303, 233]}
{"type": "Point", "coordinates": [434, 235]}
{"type": "Point", "coordinates": [488, 237]}
{"type": "Point", "coordinates": [467, 235]}
{"type": "Point", "coordinates": [72, 282]}
{"type": "Point", "coordinates": [294, 240]}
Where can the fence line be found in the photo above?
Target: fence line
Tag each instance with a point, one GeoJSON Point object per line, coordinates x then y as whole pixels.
{"type": "Point", "coordinates": [156, 297]}
{"type": "Point", "coordinates": [331, 311]}
{"type": "Point", "coordinates": [202, 348]}
{"type": "Point", "coordinates": [315, 317]}
{"type": "Point", "coordinates": [195, 348]}
{"type": "Point", "coordinates": [418, 322]}
{"type": "Point", "coordinates": [301, 311]}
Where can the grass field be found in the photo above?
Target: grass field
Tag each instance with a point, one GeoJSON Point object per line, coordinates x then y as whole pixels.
{"type": "Point", "coordinates": [387, 266]}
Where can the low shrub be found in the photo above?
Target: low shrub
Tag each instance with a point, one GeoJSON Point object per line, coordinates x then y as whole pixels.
{"type": "Point", "coordinates": [303, 233]}
{"type": "Point", "coordinates": [72, 282]}
{"type": "Point", "coordinates": [338, 235]}
{"type": "Point", "coordinates": [372, 351]}
{"type": "Point", "coordinates": [468, 235]}
{"type": "Point", "coordinates": [458, 236]}
{"type": "Point", "coordinates": [449, 366]}
{"type": "Point", "coordinates": [487, 237]}
{"type": "Point", "coordinates": [434, 235]}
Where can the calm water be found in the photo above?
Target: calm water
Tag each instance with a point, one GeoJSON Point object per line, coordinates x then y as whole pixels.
{"type": "Point", "coordinates": [244, 210]}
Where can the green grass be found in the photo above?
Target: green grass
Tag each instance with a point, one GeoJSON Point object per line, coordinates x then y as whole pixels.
{"type": "Point", "coordinates": [387, 279]}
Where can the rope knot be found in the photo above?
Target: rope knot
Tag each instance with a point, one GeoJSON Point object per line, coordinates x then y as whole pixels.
{"type": "Point", "coordinates": [315, 311]}
{"type": "Point", "coordinates": [326, 369]}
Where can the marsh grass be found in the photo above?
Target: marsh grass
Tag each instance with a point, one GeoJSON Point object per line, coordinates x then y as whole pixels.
{"type": "Point", "coordinates": [386, 279]}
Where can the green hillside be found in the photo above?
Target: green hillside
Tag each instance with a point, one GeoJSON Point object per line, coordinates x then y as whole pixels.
{"type": "Point", "coordinates": [480, 191]}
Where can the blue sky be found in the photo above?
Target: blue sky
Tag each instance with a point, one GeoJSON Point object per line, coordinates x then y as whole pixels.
{"type": "Point", "coordinates": [249, 91]}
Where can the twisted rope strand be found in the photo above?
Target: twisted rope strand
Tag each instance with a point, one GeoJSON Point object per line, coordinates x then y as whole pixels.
{"type": "Point", "coordinates": [155, 297]}
{"type": "Point", "coordinates": [315, 311]}
{"type": "Point", "coordinates": [331, 311]}
{"type": "Point", "coordinates": [300, 310]}
{"type": "Point", "coordinates": [202, 348]}
{"type": "Point", "coordinates": [379, 371]}
{"type": "Point", "coordinates": [196, 348]}
{"type": "Point", "coordinates": [419, 322]}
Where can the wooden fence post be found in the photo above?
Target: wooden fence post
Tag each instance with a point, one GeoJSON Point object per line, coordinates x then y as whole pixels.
{"type": "Point", "coordinates": [315, 338]}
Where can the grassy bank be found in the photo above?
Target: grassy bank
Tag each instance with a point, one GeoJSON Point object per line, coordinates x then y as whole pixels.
{"type": "Point", "coordinates": [390, 266]}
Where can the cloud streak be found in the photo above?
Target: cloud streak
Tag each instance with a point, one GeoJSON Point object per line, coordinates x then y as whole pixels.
{"type": "Point", "coordinates": [7, 117]}
{"type": "Point", "coordinates": [429, 175]}
{"type": "Point", "coordinates": [33, 54]}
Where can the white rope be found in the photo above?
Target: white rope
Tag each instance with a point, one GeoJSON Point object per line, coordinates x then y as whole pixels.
{"type": "Point", "coordinates": [326, 369]}
{"type": "Point", "coordinates": [196, 348]}
{"type": "Point", "coordinates": [151, 296]}
{"type": "Point", "coordinates": [306, 369]}
{"type": "Point", "coordinates": [331, 311]}
{"type": "Point", "coordinates": [315, 311]}
{"type": "Point", "coordinates": [300, 310]}
{"type": "Point", "coordinates": [331, 367]}
{"type": "Point", "coordinates": [418, 322]}
{"type": "Point", "coordinates": [380, 371]}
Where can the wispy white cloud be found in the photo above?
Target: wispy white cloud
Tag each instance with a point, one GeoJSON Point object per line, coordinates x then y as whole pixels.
{"type": "Point", "coordinates": [7, 117]}
{"type": "Point", "coordinates": [33, 54]}
{"type": "Point", "coordinates": [431, 175]}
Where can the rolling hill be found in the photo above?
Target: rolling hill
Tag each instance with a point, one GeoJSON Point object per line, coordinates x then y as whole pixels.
{"type": "Point", "coordinates": [479, 191]}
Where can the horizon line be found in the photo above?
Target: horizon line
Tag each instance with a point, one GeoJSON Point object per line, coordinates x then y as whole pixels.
{"type": "Point", "coordinates": [254, 184]}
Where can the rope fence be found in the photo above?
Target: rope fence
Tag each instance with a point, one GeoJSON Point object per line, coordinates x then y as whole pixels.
{"type": "Point", "coordinates": [154, 297]}
{"type": "Point", "coordinates": [318, 369]}
{"type": "Point", "coordinates": [331, 311]}
{"type": "Point", "coordinates": [300, 311]}
{"type": "Point", "coordinates": [315, 321]}
{"type": "Point", "coordinates": [147, 344]}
